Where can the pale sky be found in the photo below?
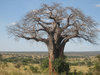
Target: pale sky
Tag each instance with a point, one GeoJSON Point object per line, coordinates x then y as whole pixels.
{"type": "Point", "coordinates": [11, 11]}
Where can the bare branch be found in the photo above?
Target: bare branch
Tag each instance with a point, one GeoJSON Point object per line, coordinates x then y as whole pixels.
{"type": "Point", "coordinates": [68, 22]}
{"type": "Point", "coordinates": [36, 39]}
{"type": "Point", "coordinates": [58, 21]}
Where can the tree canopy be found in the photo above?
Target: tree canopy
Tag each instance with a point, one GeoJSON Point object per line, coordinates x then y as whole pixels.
{"type": "Point", "coordinates": [62, 23]}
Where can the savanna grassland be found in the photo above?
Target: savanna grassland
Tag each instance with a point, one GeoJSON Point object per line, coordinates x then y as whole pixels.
{"type": "Point", "coordinates": [36, 63]}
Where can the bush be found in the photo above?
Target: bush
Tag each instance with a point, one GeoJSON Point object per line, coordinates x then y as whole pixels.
{"type": "Point", "coordinates": [44, 64]}
{"type": "Point", "coordinates": [97, 67]}
{"type": "Point", "coordinates": [60, 65]}
{"type": "Point", "coordinates": [34, 69]}
{"type": "Point", "coordinates": [89, 73]}
{"type": "Point", "coordinates": [89, 63]}
{"type": "Point", "coordinates": [18, 65]}
{"type": "Point", "coordinates": [80, 73]}
{"type": "Point", "coordinates": [25, 69]}
{"type": "Point", "coordinates": [0, 57]}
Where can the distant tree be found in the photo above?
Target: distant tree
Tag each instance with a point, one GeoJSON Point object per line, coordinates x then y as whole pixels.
{"type": "Point", "coordinates": [55, 26]}
{"type": "Point", "coordinates": [0, 57]}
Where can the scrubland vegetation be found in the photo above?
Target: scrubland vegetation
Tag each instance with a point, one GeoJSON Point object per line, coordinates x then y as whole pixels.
{"type": "Point", "coordinates": [30, 64]}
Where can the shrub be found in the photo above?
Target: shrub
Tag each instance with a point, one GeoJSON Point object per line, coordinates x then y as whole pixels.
{"type": "Point", "coordinates": [0, 57]}
{"type": "Point", "coordinates": [89, 73]}
{"type": "Point", "coordinates": [97, 66]}
{"type": "Point", "coordinates": [89, 63]}
{"type": "Point", "coordinates": [34, 69]}
{"type": "Point", "coordinates": [25, 69]}
{"type": "Point", "coordinates": [18, 65]}
{"type": "Point", "coordinates": [44, 64]}
{"type": "Point", "coordinates": [60, 65]}
{"type": "Point", "coordinates": [80, 73]}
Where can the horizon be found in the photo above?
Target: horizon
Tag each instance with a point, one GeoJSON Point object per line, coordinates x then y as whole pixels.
{"type": "Point", "coordinates": [47, 51]}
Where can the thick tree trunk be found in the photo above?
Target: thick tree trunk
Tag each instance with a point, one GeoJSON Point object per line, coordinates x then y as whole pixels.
{"type": "Point", "coordinates": [52, 57]}
{"type": "Point", "coordinates": [54, 53]}
{"type": "Point", "coordinates": [55, 50]}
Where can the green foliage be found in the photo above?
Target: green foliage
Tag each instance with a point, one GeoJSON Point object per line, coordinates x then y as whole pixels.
{"type": "Point", "coordinates": [77, 63]}
{"type": "Point", "coordinates": [0, 57]}
{"type": "Point", "coordinates": [25, 69]}
{"type": "Point", "coordinates": [89, 63]}
{"type": "Point", "coordinates": [89, 73]}
{"type": "Point", "coordinates": [80, 73]}
{"type": "Point", "coordinates": [76, 56]}
{"type": "Point", "coordinates": [23, 60]}
{"type": "Point", "coordinates": [11, 59]}
{"type": "Point", "coordinates": [97, 66]}
{"type": "Point", "coordinates": [44, 64]}
{"type": "Point", "coordinates": [34, 69]}
{"type": "Point", "coordinates": [60, 65]}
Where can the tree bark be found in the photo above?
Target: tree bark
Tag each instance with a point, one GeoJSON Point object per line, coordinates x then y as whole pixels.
{"type": "Point", "coordinates": [54, 53]}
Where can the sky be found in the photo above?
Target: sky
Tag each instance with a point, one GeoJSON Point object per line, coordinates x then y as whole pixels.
{"type": "Point", "coordinates": [11, 11]}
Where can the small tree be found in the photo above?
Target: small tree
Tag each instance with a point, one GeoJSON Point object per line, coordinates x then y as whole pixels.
{"type": "Point", "coordinates": [55, 26]}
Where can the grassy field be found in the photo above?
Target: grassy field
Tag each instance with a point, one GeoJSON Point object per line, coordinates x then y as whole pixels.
{"type": "Point", "coordinates": [30, 64]}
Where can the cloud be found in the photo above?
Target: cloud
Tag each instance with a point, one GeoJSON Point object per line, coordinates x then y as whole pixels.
{"type": "Point", "coordinates": [98, 5]}
{"type": "Point", "coordinates": [12, 24]}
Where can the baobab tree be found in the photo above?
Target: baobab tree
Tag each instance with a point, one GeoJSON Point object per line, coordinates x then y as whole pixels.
{"type": "Point", "coordinates": [55, 26]}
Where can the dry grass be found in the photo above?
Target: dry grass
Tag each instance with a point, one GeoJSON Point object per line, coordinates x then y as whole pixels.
{"type": "Point", "coordinates": [83, 69]}
{"type": "Point", "coordinates": [11, 70]}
